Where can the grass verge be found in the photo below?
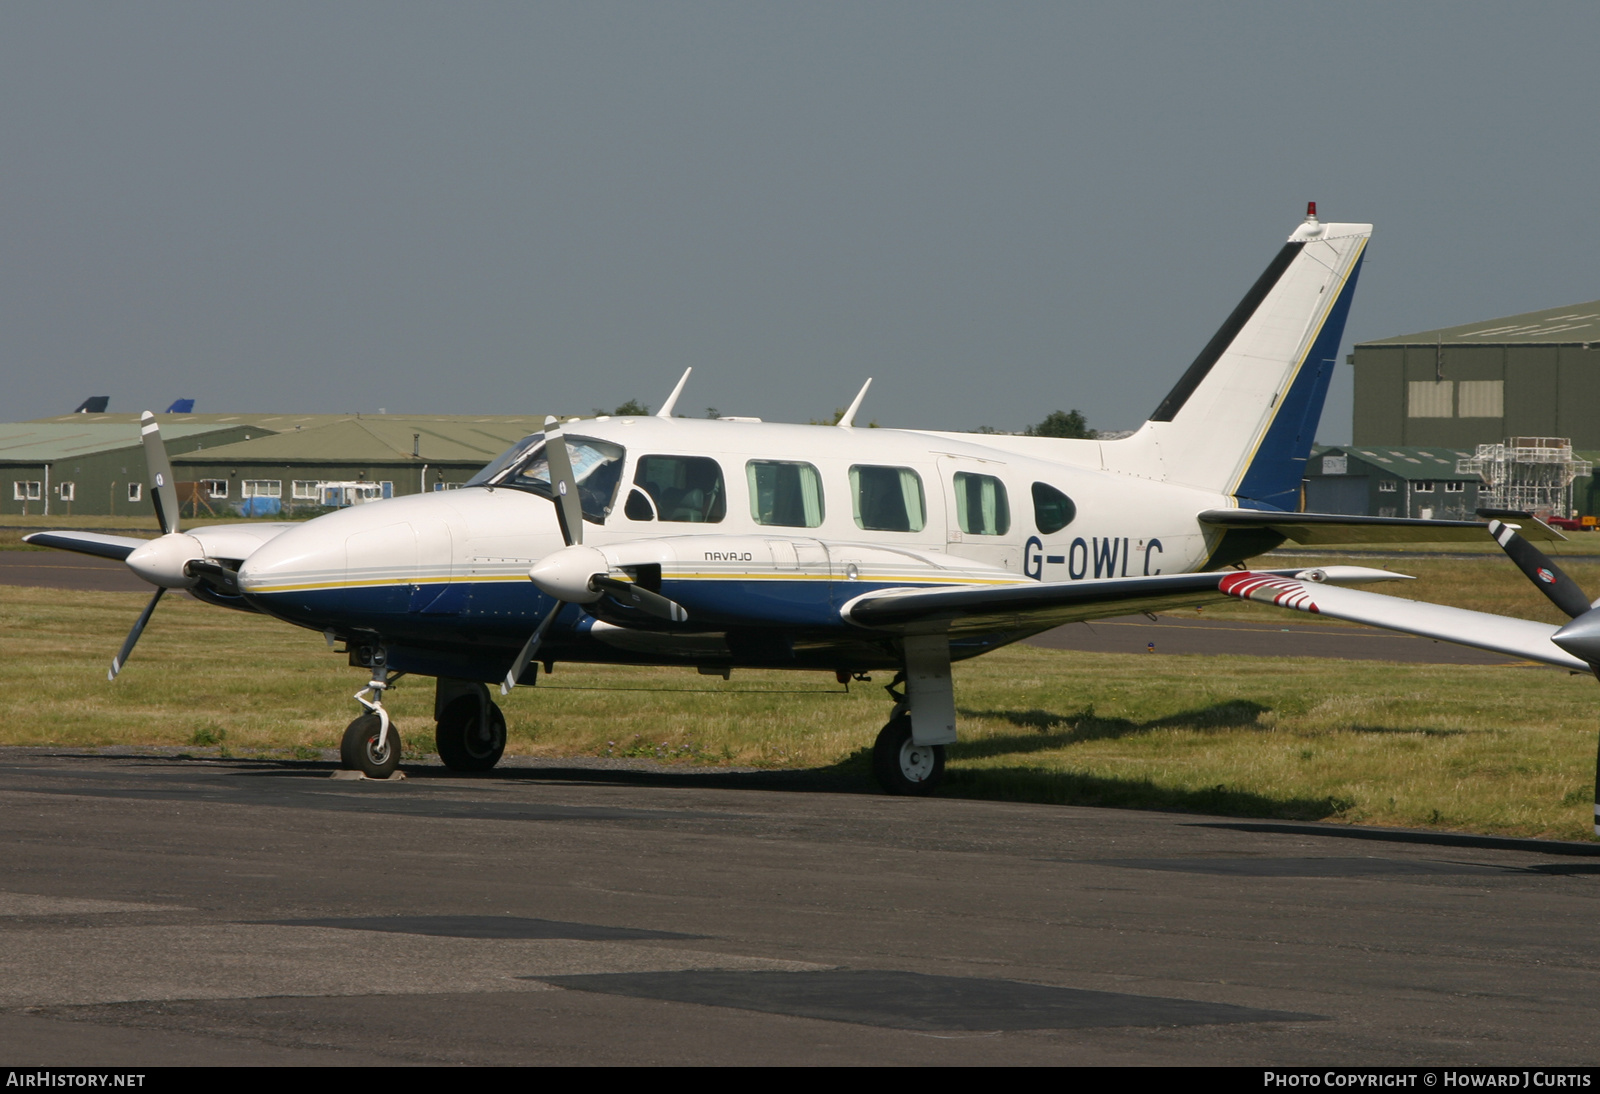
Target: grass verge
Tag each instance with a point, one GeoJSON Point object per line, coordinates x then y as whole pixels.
{"type": "Point", "coordinates": [1488, 749]}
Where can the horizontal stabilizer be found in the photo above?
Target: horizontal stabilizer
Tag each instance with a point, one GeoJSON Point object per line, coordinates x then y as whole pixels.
{"type": "Point", "coordinates": [1317, 529]}
{"type": "Point", "coordinates": [1481, 630]}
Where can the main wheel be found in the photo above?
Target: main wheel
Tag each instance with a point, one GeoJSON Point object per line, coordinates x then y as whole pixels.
{"type": "Point", "coordinates": [465, 743]}
{"type": "Point", "coordinates": [360, 752]}
{"type": "Point", "coordinates": [901, 765]}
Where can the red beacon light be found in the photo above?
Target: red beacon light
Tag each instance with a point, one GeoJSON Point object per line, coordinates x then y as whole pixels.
{"type": "Point", "coordinates": [1311, 210]}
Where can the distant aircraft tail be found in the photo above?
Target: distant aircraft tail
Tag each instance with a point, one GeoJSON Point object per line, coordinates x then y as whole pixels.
{"type": "Point", "coordinates": [1242, 419]}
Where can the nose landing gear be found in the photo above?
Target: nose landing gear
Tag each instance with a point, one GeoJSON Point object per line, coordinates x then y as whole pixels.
{"type": "Point", "coordinates": [371, 743]}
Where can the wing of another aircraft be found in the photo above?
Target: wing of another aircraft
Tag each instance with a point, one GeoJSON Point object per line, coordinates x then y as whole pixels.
{"type": "Point", "coordinates": [1318, 529]}
{"type": "Point", "coordinates": [1033, 604]}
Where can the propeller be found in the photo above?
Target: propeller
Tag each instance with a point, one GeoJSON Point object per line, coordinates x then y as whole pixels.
{"type": "Point", "coordinates": [1581, 637]}
{"type": "Point", "coordinates": [171, 561]}
{"type": "Point", "coordinates": [576, 574]}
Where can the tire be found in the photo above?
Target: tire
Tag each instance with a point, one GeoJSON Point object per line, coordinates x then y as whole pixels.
{"type": "Point", "coordinates": [457, 735]}
{"type": "Point", "coordinates": [901, 765]}
{"type": "Point", "coordinates": [359, 752]}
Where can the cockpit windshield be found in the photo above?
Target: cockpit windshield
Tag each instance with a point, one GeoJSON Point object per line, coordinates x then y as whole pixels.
{"type": "Point", "coordinates": [510, 456]}
{"type": "Point", "coordinates": [596, 465]}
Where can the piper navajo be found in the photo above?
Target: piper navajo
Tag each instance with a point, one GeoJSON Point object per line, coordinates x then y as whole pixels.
{"type": "Point", "coordinates": [736, 543]}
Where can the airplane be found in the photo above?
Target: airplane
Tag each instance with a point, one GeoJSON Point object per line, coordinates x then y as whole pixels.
{"type": "Point", "coordinates": [732, 543]}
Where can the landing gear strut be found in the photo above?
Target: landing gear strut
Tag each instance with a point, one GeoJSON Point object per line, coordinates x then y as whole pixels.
{"type": "Point", "coordinates": [908, 757]}
{"type": "Point", "coordinates": [371, 743]}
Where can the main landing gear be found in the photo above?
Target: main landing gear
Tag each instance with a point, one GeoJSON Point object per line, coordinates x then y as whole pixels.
{"type": "Point", "coordinates": [470, 729]}
{"type": "Point", "coordinates": [908, 757]}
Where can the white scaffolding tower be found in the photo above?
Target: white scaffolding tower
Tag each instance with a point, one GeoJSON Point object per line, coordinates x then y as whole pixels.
{"type": "Point", "coordinates": [1528, 474]}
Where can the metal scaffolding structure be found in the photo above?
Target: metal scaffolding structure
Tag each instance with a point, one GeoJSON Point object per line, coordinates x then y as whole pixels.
{"type": "Point", "coordinates": [1529, 474]}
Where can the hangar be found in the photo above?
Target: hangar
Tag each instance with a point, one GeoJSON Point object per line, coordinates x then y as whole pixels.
{"type": "Point", "coordinates": [1530, 375]}
{"type": "Point", "coordinates": [93, 464]}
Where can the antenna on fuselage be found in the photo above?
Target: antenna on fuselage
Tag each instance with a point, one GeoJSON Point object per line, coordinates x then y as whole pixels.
{"type": "Point", "coordinates": [672, 400]}
{"type": "Point", "coordinates": [849, 419]}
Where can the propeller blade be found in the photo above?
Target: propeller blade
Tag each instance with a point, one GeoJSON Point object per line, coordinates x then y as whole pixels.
{"type": "Point", "coordinates": [1545, 574]}
{"type": "Point", "coordinates": [163, 494]}
{"type": "Point", "coordinates": [569, 509]}
{"type": "Point", "coordinates": [520, 665]}
{"type": "Point", "coordinates": [133, 636]}
{"type": "Point", "coordinates": [634, 595]}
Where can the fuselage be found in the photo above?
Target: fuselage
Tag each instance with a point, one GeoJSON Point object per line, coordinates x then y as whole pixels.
{"type": "Point", "coordinates": [762, 531]}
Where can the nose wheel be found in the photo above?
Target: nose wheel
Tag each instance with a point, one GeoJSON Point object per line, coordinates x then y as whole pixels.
{"type": "Point", "coordinates": [371, 747]}
{"type": "Point", "coordinates": [901, 765]}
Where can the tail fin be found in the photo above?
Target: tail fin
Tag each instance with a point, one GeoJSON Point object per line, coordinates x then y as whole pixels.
{"type": "Point", "coordinates": [1242, 418]}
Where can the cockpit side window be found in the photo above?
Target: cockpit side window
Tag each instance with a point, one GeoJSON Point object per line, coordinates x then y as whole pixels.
{"type": "Point", "coordinates": [683, 488]}
{"type": "Point", "coordinates": [596, 465]}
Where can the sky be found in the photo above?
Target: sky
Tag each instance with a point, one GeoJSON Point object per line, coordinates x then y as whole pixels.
{"type": "Point", "coordinates": [996, 210]}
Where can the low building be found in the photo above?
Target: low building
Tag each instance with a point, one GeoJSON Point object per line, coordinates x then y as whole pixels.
{"type": "Point", "coordinates": [86, 465]}
{"type": "Point", "coordinates": [1391, 481]}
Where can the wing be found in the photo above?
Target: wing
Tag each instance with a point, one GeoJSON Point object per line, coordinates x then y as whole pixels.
{"type": "Point", "coordinates": [1039, 605]}
{"type": "Point", "coordinates": [1316, 529]}
{"type": "Point", "coordinates": [1516, 637]}
{"type": "Point", "coordinates": [88, 543]}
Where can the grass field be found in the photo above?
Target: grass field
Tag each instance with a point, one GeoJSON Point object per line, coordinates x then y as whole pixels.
{"type": "Point", "coordinates": [1489, 749]}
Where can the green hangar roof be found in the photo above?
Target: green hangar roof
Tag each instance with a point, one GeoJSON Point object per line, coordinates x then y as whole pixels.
{"type": "Point", "coordinates": [1575, 324]}
{"type": "Point", "coordinates": [46, 442]}
{"type": "Point", "coordinates": [388, 438]}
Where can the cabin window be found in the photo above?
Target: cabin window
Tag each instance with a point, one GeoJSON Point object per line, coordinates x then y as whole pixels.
{"type": "Point", "coordinates": [27, 491]}
{"type": "Point", "coordinates": [683, 488]}
{"type": "Point", "coordinates": [136, 491]}
{"type": "Point", "coordinates": [262, 488]}
{"type": "Point", "coordinates": [596, 467]}
{"type": "Point", "coordinates": [1052, 510]}
{"type": "Point", "coordinates": [639, 506]}
{"type": "Point", "coordinates": [888, 499]}
{"type": "Point", "coordinates": [981, 506]}
{"type": "Point", "coordinates": [788, 495]}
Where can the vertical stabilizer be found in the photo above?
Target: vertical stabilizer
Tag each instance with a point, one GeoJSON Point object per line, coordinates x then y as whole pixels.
{"type": "Point", "coordinates": [1242, 418]}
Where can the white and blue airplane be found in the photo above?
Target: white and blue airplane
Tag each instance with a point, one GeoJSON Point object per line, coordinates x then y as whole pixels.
{"type": "Point", "coordinates": [735, 543]}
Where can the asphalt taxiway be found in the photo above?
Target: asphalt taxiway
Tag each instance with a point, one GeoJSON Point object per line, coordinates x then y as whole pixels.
{"type": "Point", "coordinates": [155, 909]}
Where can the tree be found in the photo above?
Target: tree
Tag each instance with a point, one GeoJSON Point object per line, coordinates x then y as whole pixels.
{"type": "Point", "coordinates": [1063, 424]}
{"type": "Point", "coordinates": [632, 408]}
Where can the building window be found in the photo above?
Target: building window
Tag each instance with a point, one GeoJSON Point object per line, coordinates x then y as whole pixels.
{"type": "Point", "coordinates": [981, 505]}
{"type": "Point", "coordinates": [888, 499]}
{"type": "Point", "coordinates": [1431, 399]}
{"type": "Point", "coordinates": [261, 488]}
{"type": "Point", "coordinates": [214, 488]}
{"type": "Point", "coordinates": [305, 489]}
{"type": "Point", "coordinates": [783, 494]}
{"type": "Point", "coordinates": [1455, 487]}
{"type": "Point", "coordinates": [1422, 486]}
{"type": "Point", "coordinates": [27, 491]}
{"type": "Point", "coordinates": [1387, 486]}
{"type": "Point", "coordinates": [1482, 399]}
{"type": "Point", "coordinates": [1386, 510]}
{"type": "Point", "coordinates": [136, 491]}
{"type": "Point", "coordinates": [67, 490]}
